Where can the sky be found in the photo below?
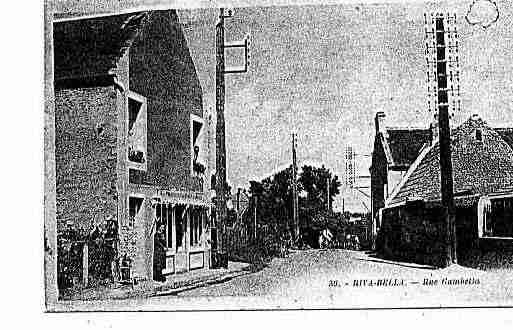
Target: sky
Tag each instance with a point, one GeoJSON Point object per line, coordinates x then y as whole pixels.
{"type": "Point", "coordinates": [324, 71]}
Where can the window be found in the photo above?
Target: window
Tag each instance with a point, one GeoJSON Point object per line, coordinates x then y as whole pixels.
{"type": "Point", "coordinates": [169, 227]}
{"type": "Point", "coordinates": [134, 208]}
{"type": "Point", "coordinates": [135, 176]}
{"type": "Point", "coordinates": [479, 135]}
{"type": "Point", "coordinates": [498, 219]}
{"type": "Point", "coordinates": [198, 149]}
{"type": "Point", "coordinates": [180, 214]}
{"type": "Point", "coordinates": [137, 127]}
{"type": "Point", "coordinates": [196, 226]}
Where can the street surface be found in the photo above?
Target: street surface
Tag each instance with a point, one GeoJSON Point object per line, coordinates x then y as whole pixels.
{"type": "Point", "coordinates": [335, 279]}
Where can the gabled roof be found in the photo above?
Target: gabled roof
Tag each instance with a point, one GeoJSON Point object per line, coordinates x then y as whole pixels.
{"type": "Point", "coordinates": [402, 146]}
{"type": "Point", "coordinates": [479, 167]}
{"type": "Point", "coordinates": [405, 144]}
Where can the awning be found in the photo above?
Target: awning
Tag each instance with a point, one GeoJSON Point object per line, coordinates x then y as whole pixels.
{"type": "Point", "coordinates": [183, 197]}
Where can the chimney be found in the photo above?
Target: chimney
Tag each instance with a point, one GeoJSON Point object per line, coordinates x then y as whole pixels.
{"type": "Point", "coordinates": [475, 117]}
{"type": "Point", "coordinates": [435, 133]}
{"type": "Point", "coordinates": [380, 122]}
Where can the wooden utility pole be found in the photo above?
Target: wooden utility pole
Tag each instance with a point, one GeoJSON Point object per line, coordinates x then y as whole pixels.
{"type": "Point", "coordinates": [445, 145]}
{"type": "Point", "coordinates": [294, 189]}
{"type": "Point", "coordinates": [221, 255]}
{"type": "Point", "coordinates": [221, 210]}
{"type": "Point", "coordinates": [255, 219]}
{"type": "Point", "coordinates": [328, 191]}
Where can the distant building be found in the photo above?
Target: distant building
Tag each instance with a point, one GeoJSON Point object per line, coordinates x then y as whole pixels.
{"type": "Point", "coordinates": [129, 144]}
{"type": "Point", "coordinates": [411, 225]}
{"type": "Point", "coordinates": [395, 149]}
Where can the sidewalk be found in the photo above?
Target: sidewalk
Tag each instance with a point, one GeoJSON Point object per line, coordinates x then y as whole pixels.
{"type": "Point", "coordinates": [174, 285]}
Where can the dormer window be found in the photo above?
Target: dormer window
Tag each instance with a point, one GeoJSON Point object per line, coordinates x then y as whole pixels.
{"type": "Point", "coordinates": [478, 135]}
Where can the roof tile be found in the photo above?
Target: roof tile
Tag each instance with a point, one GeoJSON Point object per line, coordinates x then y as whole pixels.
{"type": "Point", "coordinates": [479, 167]}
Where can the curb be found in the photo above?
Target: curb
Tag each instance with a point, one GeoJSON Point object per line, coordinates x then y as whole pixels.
{"type": "Point", "coordinates": [199, 284]}
{"type": "Point", "coordinates": [155, 292]}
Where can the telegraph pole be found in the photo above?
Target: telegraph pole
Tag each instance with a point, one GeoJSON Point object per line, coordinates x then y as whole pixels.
{"type": "Point", "coordinates": [221, 255]}
{"type": "Point", "coordinates": [294, 188]}
{"type": "Point", "coordinates": [445, 147]}
{"type": "Point", "coordinates": [255, 218]}
{"type": "Point", "coordinates": [443, 61]}
{"type": "Point", "coordinates": [328, 191]}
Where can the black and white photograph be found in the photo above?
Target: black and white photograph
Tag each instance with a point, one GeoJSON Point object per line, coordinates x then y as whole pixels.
{"type": "Point", "coordinates": [277, 155]}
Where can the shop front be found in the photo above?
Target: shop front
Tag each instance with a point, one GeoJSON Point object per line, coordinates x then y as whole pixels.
{"type": "Point", "coordinates": [182, 233]}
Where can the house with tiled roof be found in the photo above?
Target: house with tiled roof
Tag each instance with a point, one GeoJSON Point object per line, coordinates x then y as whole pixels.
{"type": "Point", "coordinates": [411, 221]}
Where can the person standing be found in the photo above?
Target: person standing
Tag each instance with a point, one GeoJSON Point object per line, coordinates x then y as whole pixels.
{"type": "Point", "coordinates": [159, 252]}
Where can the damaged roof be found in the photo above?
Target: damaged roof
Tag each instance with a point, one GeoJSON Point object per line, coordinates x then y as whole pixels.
{"type": "Point", "coordinates": [93, 46]}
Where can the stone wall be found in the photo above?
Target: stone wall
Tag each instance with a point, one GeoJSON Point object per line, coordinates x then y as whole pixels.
{"type": "Point", "coordinates": [136, 242]}
{"type": "Point", "coordinates": [412, 233]}
{"type": "Point", "coordinates": [415, 233]}
{"type": "Point", "coordinates": [86, 155]}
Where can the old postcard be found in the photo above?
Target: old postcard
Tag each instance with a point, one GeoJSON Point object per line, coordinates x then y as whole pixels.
{"type": "Point", "coordinates": [227, 155]}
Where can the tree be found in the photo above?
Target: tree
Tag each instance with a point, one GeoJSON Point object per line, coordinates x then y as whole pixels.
{"type": "Point", "coordinates": [274, 200]}
{"type": "Point", "coordinates": [314, 182]}
{"type": "Point", "coordinates": [274, 196]}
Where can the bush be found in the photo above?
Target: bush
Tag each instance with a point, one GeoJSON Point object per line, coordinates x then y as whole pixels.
{"type": "Point", "coordinates": [69, 263]}
{"type": "Point", "coordinates": [268, 245]}
{"type": "Point", "coordinates": [102, 252]}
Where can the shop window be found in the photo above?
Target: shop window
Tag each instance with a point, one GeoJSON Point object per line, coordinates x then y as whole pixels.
{"type": "Point", "coordinates": [137, 131]}
{"type": "Point", "coordinates": [180, 217]}
{"type": "Point", "coordinates": [196, 226]}
{"type": "Point", "coordinates": [169, 227]}
{"type": "Point", "coordinates": [198, 152]}
{"type": "Point", "coordinates": [498, 220]}
{"type": "Point", "coordinates": [134, 208]}
{"type": "Point", "coordinates": [164, 214]}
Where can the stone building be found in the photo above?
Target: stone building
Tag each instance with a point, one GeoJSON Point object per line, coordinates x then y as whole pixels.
{"type": "Point", "coordinates": [411, 223]}
{"type": "Point", "coordinates": [130, 139]}
{"type": "Point", "coordinates": [395, 149]}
